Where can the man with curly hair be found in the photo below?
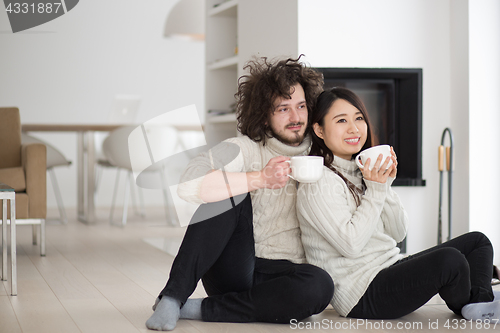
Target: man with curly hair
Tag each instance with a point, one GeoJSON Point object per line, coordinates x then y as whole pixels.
{"type": "Point", "coordinates": [244, 240]}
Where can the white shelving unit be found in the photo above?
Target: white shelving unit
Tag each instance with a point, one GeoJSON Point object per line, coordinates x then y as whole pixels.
{"type": "Point", "coordinates": [237, 30]}
{"type": "Point", "coordinates": [221, 67]}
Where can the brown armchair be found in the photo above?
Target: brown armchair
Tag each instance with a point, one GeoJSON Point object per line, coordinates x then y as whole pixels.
{"type": "Point", "coordinates": [24, 168]}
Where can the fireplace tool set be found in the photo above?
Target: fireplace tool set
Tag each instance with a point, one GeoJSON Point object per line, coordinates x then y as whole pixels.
{"type": "Point", "coordinates": [449, 168]}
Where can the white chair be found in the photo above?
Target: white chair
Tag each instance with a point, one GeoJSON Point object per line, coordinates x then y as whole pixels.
{"type": "Point", "coordinates": [54, 159]}
{"type": "Point", "coordinates": [123, 112]}
{"type": "Point", "coordinates": [116, 150]}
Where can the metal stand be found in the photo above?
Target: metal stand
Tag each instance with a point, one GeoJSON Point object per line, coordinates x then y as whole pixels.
{"type": "Point", "coordinates": [449, 168]}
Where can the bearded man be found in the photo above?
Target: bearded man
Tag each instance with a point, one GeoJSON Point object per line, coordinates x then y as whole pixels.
{"type": "Point", "coordinates": [244, 240]}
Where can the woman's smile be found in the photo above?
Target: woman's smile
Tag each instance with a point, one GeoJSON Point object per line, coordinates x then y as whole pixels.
{"type": "Point", "coordinates": [344, 131]}
{"type": "Point", "coordinates": [353, 141]}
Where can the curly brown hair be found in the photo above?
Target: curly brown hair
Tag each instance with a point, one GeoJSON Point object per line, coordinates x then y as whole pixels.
{"type": "Point", "coordinates": [267, 81]}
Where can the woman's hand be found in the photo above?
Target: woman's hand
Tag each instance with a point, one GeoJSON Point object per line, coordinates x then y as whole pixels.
{"type": "Point", "coordinates": [395, 163]}
{"type": "Point", "coordinates": [379, 173]}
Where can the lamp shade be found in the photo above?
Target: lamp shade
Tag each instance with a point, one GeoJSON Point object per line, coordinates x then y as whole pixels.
{"type": "Point", "coordinates": [186, 19]}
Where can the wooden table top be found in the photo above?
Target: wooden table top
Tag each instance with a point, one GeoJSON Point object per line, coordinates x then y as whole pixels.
{"type": "Point", "coordinates": [68, 127]}
{"type": "Point", "coordinates": [89, 127]}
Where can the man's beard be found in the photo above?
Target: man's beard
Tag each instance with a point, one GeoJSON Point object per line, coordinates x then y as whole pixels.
{"type": "Point", "coordinates": [296, 137]}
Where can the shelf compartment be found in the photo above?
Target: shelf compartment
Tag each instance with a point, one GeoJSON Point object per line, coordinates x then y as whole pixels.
{"type": "Point", "coordinates": [224, 63]}
{"type": "Point", "coordinates": [227, 8]}
{"type": "Point", "coordinates": [226, 118]}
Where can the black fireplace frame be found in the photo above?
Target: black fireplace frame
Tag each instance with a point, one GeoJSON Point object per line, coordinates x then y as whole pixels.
{"type": "Point", "coordinates": [408, 114]}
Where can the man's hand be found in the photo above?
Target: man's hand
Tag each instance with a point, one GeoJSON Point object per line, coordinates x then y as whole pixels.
{"type": "Point", "coordinates": [218, 185]}
{"type": "Point", "coordinates": [275, 174]}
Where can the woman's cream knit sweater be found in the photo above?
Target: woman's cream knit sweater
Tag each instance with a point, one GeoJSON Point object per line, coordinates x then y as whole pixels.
{"type": "Point", "coordinates": [351, 243]}
{"type": "Point", "coordinates": [276, 227]}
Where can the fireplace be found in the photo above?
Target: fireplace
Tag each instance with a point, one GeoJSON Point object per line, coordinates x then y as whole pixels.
{"type": "Point", "coordinates": [393, 98]}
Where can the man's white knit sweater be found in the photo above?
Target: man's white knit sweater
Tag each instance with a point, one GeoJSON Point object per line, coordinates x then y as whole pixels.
{"type": "Point", "coordinates": [276, 228]}
{"type": "Point", "coordinates": [351, 243]}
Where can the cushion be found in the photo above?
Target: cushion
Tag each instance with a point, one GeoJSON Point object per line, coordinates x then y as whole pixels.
{"type": "Point", "coordinates": [22, 203]}
{"type": "Point", "coordinates": [14, 177]}
{"type": "Point", "coordinates": [10, 137]}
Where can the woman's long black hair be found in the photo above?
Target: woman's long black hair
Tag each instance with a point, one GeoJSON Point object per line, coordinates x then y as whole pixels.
{"type": "Point", "coordinates": [323, 104]}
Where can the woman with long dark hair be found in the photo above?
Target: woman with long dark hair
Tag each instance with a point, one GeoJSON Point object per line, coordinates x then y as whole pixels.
{"type": "Point", "coordinates": [351, 221]}
{"type": "Point", "coordinates": [243, 242]}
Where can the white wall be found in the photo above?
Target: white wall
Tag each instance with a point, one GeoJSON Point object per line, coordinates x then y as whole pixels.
{"type": "Point", "coordinates": [281, 30]}
{"type": "Point", "coordinates": [459, 103]}
{"type": "Point", "coordinates": [68, 71]}
{"type": "Point", "coordinates": [392, 33]}
{"type": "Point", "coordinates": [484, 87]}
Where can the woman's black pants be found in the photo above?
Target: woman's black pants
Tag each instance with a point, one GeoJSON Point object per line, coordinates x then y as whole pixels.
{"type": "Point", "coordinates": [240, 286]}
{"type": "Point", "coordinates": [460, 270]}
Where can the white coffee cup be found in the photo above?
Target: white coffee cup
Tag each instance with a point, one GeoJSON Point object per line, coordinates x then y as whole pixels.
{"type": "Point", "coordinates": [372, 154]}
{"type": "Point", "coordinates": [306, 169]}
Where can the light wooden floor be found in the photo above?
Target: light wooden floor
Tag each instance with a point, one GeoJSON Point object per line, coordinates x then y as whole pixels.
{"type": "Point", "coordinates": [101, 278]}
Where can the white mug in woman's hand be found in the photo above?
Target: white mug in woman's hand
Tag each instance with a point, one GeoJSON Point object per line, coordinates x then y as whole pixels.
{"type": "Point", "coordinates": [373, 153]}
{"type": "Point", "coordinates": [306, 169]}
